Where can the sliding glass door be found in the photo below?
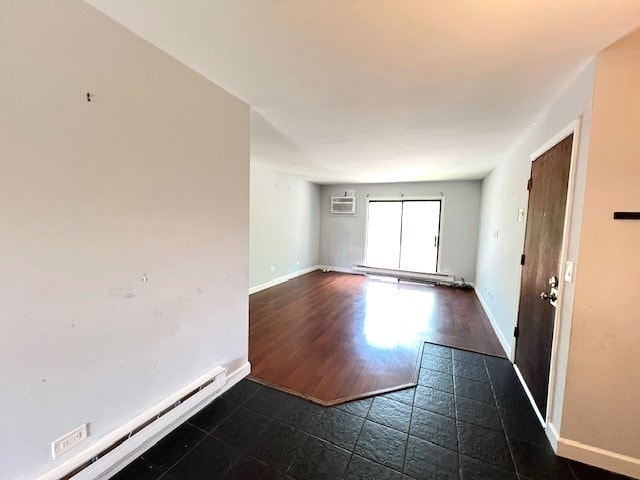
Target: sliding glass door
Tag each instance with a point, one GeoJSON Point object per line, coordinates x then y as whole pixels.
{"type": "Point", "coordinates": [403, 234]}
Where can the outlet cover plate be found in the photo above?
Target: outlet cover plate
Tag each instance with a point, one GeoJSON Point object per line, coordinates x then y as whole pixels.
{"type": "Point", "coordinates": [70, 440]}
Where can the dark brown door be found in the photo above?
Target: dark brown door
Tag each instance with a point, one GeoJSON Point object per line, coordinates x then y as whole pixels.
{"type": "Point", "coordinates": [542, 249]}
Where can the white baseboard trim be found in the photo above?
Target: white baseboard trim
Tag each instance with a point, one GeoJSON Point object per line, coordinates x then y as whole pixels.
{"type": "Point", "coordinates": [494, 324]}
{"type": "Point", "coordinates": [552, 435]}
{"type": "Point", "coordinates": [114, 461]}
{"type": "Point", "coordinates": [402, 274]}
{"type": "Point", "coordinates": [330, 268]}
{"type": "Point", "coordinates": [283, 278]}
{"type": "Point", "coordinates": [598, 457]}
{"type": "Point", "coordinates": [538, 413]}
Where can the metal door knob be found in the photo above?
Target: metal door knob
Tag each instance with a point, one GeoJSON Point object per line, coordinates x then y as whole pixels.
{"type": "Point", "coordinates": [549, 296]}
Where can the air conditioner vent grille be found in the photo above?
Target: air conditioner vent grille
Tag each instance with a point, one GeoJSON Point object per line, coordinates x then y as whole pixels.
{"type": "Point", "coordinates": [343, 205]}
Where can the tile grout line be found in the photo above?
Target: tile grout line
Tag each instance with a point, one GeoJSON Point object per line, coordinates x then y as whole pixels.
{"type": "Point", "coordinates": [455, 402]}
{"type": "Point", "coordinates": [406, 445]}
{"type": "Point", "coordinates": [504, 431]}
{"type": "Point", "coordinates": [353, 451]}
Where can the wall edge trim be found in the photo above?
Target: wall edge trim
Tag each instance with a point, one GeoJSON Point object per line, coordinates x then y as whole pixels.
{"type": "Point", "coordinates": [283, 278]}
{"type": "Point", "coordinates": [332, 268]}
{"type": "Point", "coordinates": [599, 457]}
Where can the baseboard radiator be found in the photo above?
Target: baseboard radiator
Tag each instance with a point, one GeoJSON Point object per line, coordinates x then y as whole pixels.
{"type": "Point", "coordinates": [403, 274]}
{"type": "Point", "coordinates": [214, 380]}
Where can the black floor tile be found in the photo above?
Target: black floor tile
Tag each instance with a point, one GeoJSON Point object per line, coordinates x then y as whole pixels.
{"type": "Point", "coordinates": [248, 468]}
{"type": "Point", "coordinates": [299, 413]}
{"type": "Point", "coordinates": [496, 362]}
{"type": "Point", "coordinates": [390, 413]}
{"type": "Point", "coordinates": [523, 426]}
{"type": "Point", "coordinates": [139, 469]}
{"type": "Point", "coordinates": [504, 381]}
{"type": "Point", "coordinates": [276, 445]}
{"type": "Point", "coordinates": [267, 401]}
{"type": "Point", "coordinates": [286, 408]}
{"type": "Point", "coordinates": [515, 400]}
{"type": "Point", "coordinates": [382, 444]}
{"type": "Point", "coordinates": [319, 460]}
{"type": "Point", "coordinates": [472, 372]}
{"type": "Point", "coordinates": [405, 396]}
{"type": "Point", "coordinates": [485, 445]}
{"type": "Point", "coordinates": [242, 429]}
{"type": "Point", "coordinates": [213, 414]}
{"type": "Point", "coordinates": [439, 364]}
{"type": "Point", "coordinates": [472, 469]}
{"type": "Point", "coordinates": [435, 401]}
{"type": "Point", "coordinates": [434, 428]}
{"type": "Point", "coordinates": [587, 472]}
{"type": "Point", "coordinates": [356, 407]}
{"type": "Point", "coordinates": [338, 427]}
{"type": "Point", "coordinates": [429, 461]}
{"type": "Point", "coordinates": [539, 463]}
{"type": "Point", "coordinates": [437, 350]}
{"type": "Point", "coordinates": [362, 469]}
{"type": "Point", "coordinates": [437, 380]}
{"type": "Point", "coordinates": [478, 413]}
{"type": "Point", "coordinates": [241, 392]}
{"type": "Point", "coordinates": [471, 358]}
{"type": "Point", "coordinates": [479, 391]}
{"type": "Point", "coordinates": [174, 446]}
{"type": "Point", "coordinates": [468, 418]}
{"type": "Point", "coordinates": [211, 459]}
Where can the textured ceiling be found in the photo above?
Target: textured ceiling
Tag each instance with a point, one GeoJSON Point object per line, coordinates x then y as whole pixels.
{"type": "Point", "coordinates": [382, 90]}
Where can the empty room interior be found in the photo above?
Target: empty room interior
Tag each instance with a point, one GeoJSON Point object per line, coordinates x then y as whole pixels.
{"type": "Point", "coordinates": [319, 240]}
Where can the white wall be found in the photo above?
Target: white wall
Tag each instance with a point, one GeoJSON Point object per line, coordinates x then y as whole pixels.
{"type": "Point", "coordinates": [501, 238]}
{"type": "Point", "coordinates": [342, 237]}
{"type": "Point", "coordinates": [93, 195]}
{"type": "Point", "coordinates": [601, 407]}
{"type": "Point", "coordinates": [285, 211]}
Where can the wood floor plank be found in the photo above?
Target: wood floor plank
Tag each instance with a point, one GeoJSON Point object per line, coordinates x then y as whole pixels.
{"type": "Point", "coordinates": [332, 337]}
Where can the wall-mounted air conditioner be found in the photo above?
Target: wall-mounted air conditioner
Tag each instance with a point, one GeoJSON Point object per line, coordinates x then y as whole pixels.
{"type": "Point", "coordinates": [343, 205]}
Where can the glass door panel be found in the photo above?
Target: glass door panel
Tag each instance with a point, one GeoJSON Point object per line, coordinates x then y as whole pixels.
{"type": "Point", "coordinates": [383, 234]}
{"type": "Point", "coordinates": [420, 235]}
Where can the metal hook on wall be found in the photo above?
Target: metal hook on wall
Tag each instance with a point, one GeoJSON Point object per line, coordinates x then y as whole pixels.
{"type": "Point", "coordinates": [88, 97]}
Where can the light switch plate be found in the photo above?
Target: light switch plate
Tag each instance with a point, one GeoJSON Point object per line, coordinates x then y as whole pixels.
{"type": "Point", "coordinates": [568, 272]}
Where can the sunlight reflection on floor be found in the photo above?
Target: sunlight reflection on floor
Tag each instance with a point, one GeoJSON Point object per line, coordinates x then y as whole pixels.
{"type": "Point", "coordinates": [396, 316]}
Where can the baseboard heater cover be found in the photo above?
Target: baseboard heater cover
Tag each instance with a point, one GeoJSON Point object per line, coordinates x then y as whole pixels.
{"type": "Point", "coordinates": [215, 379]}
{"type": "Point", "coordinates": [434, 277]}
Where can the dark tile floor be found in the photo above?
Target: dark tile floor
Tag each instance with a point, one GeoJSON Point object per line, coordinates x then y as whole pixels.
{"type": "Point", "coordinates": [467, 419]}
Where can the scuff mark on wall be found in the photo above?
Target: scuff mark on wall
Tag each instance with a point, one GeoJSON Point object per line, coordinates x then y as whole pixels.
{"type": "Point", "coordinates": [126, 292]}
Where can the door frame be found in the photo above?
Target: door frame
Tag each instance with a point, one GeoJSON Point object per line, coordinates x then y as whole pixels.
{"type": "Point", "coordinates": [410, 198]}
{"type": "Point", "coordinates": [559, 319]}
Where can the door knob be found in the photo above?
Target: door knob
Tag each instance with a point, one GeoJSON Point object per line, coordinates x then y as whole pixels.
{"type": "Point", "coordinates": [549, 296]}
{"type": "Point", "coordinates": [552, 296]}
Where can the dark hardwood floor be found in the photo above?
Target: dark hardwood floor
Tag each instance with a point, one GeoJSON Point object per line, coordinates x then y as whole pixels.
{"type": "Point", "coordinates": [333, 337]}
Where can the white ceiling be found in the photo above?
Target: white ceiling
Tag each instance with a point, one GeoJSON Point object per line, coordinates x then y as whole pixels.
{"type": "Point", "coordinates": [383, 90]}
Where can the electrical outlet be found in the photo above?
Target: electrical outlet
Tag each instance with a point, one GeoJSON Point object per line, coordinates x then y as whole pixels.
{"type": "Point", "coordinates": [273, 269]}
{"type": "Point", "coordinates": [70, 440]}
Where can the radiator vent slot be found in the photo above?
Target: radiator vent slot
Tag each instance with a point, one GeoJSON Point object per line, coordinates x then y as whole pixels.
{"type": "Point", "coordinates": [343, 205]}
{"type": "Point", "coordinates": [218, 381]}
